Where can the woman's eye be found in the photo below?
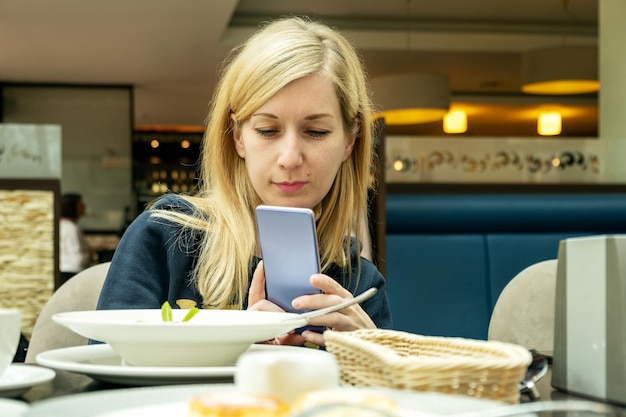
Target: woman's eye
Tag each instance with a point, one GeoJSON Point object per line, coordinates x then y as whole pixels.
{"type": "Point", "coordinates": [317, 133]}
{"type": "Point", "coordinates": [266, 132]}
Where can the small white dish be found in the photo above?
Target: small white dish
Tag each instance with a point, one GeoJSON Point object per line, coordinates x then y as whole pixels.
{"type": "Point", "coordinates": [102, 363]}
{"type": "Point", "coordinates": [12, 408]}
{"type": "Point", "coordinates": [19, 378]}
{"type": "Point", "coordinates": [210, 338]}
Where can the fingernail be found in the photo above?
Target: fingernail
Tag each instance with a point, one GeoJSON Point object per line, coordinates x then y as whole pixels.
{"type": "Point", "coordinates": [296, 303]}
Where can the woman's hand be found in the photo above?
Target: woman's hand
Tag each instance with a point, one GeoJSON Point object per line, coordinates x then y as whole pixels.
{"type": "Point", "coordinates": [349, 318]}
{"type": "Point", "coordinates": [258, 302]}
{"type": "Point", "coordinates": [256, 293]}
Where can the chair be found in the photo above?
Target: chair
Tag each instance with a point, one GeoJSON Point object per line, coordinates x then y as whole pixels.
{"type": "Point", "coordinates": [524, 311]}
{"type": "Point", "coordinates": [79, 293]}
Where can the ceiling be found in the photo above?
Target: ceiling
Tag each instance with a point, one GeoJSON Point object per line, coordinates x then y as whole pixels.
{"type": "Point", "coordinates": [170, 50]}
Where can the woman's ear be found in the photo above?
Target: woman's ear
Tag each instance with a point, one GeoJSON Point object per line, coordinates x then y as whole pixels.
{"type": "Point", "coordinates": [237, 136]}
{"type": "Point", "coordinates": [350, 140]}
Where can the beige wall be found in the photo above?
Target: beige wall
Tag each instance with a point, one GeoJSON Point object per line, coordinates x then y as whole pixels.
{"type": "Point", "coordinates": [96, 130]}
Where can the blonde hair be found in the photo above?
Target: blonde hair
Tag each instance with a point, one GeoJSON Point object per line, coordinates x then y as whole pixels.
{"type": "Point", "coordinates": [281, 52]}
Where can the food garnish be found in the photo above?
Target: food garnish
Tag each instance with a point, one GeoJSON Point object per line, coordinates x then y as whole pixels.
{"type": "Point", "coordinates": [166, 312]}
{"type": "Point", "coordinates": [192, 312]}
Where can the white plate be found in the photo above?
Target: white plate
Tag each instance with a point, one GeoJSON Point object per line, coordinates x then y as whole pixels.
{"type": "Point", "coordinates": [18, 379]}
{"type": "Point", "coordinates": [180, 409]}
{"type": "Point", "coordinates": [12, 408]}
{"type": "Point", "coordinates": [102, 363]}
{"type": "Point", "coordinates": [210, 338]}
{"type": "Point", "coordinates": [171, 401]}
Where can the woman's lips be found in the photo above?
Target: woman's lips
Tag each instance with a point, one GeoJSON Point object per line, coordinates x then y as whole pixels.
{"type": "Point", "coordinates": [290, 187]}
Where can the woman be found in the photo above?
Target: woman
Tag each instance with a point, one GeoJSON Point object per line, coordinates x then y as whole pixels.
{"type": "Point", "coordinates": [289, 125]}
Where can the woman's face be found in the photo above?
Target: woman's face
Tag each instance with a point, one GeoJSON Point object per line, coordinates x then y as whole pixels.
{"type": "Point", "coordinates": [294, 144]}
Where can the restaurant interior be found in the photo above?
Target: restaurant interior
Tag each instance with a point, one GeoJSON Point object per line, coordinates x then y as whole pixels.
{"type": "Point", "coordinates": [482, 173]}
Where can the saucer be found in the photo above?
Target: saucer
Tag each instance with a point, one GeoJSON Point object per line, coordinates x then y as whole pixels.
{"type": "Point", "coordinates": [12, 408]}
{"type": "Point", "coordinates": [19, 378]}
{"type": "Point", "coordinates": [102, 363]}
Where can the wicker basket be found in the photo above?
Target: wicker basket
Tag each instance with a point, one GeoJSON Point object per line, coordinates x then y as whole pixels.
{"type": "Point", "coordinates": [399, 360]}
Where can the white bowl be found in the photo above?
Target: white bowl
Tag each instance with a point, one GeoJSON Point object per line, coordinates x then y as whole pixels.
{"type": "Point", "coordinates": [210, 338]}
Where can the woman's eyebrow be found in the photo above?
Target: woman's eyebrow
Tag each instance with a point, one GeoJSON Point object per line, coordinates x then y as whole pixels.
{"type": "Point", "coordinates": [318, 116]}
{"type": "Point", "coordinates": [315, 116]}
{"type": "Point", "coordinates": [268, 115]}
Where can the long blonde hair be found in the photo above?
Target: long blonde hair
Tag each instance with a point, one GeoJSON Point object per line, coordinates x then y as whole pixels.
{"type": "Point", "coordinates": [281, 52]}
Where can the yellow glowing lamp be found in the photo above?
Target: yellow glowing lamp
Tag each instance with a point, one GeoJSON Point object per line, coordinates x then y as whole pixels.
{"type": "Point", "coordinates": [455, 121]}
{"type": "Point", "coordinates": [549, 123]}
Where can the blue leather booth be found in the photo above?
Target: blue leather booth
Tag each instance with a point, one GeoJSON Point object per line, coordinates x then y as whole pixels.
{"type": "Point", "coordinates": [449, 256]}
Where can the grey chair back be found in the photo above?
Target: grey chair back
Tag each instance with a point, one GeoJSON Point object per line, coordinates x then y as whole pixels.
{"type": "Point", "coordinates": [524, 312]}
{"type": "Point", "coordinates": [79, 293]}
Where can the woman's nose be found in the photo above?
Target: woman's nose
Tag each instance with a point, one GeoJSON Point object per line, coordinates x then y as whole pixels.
{"type": "Point", "coordinates": [290, 152]}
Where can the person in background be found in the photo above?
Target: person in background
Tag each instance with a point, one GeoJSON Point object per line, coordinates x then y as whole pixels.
{"type": "Point", "coordinates": [289, 125]}
{"type": "Point", "coordinates": [75, 251]}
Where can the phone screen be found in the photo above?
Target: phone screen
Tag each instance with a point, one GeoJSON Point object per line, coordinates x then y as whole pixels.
{"type": "Point", "coordinates": [290, 253]}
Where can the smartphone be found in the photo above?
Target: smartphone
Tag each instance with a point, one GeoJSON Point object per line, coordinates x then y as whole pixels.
{"type": "Point", "coordinates": [290, 253]}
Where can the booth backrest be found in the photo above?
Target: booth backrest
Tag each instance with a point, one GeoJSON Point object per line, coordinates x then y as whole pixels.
{"type": "Point", "coordinates": [449, 256]}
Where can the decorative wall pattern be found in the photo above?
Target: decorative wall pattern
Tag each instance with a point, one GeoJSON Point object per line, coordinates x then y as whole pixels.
{"type": "Point", "coordinates": [26, 252]}
{"type": "Point", "coordinates": [496, 161]}
{"type": "Point", "coordinates": [410, 159]}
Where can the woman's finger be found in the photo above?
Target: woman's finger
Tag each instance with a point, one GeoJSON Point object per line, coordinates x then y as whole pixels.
{"type": "Point", "coordinates": [329, 286]}
{"type": "Point", "coordinates": [256, 292]}
{"type": "Point", "coordinates": [313, 338]}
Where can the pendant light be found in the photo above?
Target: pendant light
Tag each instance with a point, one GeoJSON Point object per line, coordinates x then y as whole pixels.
{"type": "Point", "coordinates": [414, 97]}
{"type": "Point", "coordinates": [411, 98]}
{"type": "Point", "coordinates": [561, 70]}
{"type": "Point", "coordinates": [564, 69]}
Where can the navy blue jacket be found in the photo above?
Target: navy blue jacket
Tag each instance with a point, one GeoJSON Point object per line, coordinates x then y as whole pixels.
{"type": "Point", "coordinates": [151, 265]}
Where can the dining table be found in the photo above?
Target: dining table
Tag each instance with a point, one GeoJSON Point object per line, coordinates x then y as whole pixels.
{"type": "Point", "coordinates": [88, 396]}
{"type": "Point", "coordinates": [71, 394]}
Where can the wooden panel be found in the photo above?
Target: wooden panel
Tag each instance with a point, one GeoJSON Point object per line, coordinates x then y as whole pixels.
{"type": "Point", "coordinates": [377, 199]}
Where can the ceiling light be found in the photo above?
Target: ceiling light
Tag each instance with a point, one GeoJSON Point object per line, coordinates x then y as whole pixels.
{"type": "Point", "coordinates": [413, 98]}
{"type": "Point", "coordinates": [562, 70]}
{"type": "Point", "coordinates": [455, 121]}
{"type": "Point", "coordinates": [549, 123]}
